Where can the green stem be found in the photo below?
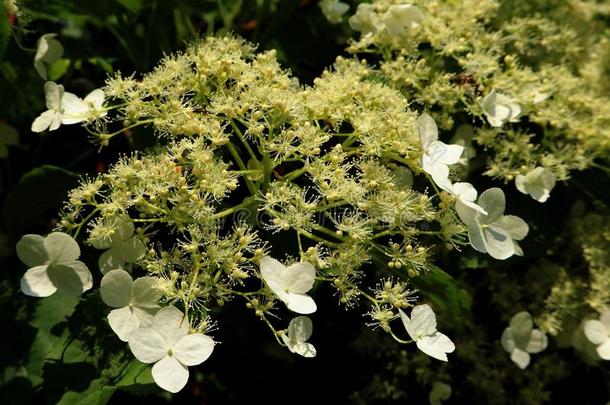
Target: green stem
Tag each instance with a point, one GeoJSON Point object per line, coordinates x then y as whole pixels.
{"type": "Point", "coordinates": [328, 232]}
{"type": "Point", "coordinates": [319, 239]}
{"type": "Point", "coordinates": [250, 202]}
{"type": "Point", "coordinates": [242, 166]}
{"type": "Point", "coordinates": [399, 340]}
{"type": "Point", "coordinates": [295, 173]}
{"type": "Point", "coordinates": [267, 169]}
{"type": "Point", "coordinates": [84, 221]}
{"type": "Point", "coordinates": [243, 140]}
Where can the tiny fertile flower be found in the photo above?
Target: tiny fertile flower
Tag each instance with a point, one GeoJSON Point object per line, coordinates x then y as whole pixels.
{"type": "Point", "coordinates": [436, 155]}
{"type": "Point", "coordinates": [400, 18]}
{"type": "Point", "coordinates": [136, 301]}
{"type": "Point", "coordinates": [421, 327]}
{"type": "Point", "coordinates": [520, 339]}
{"type": "Point", "coordinates": [538, 183]}
{"type": "Point", "coordinates": [493, 233]}
{"type": "Point", "coordinates": [597, 332]}
{"type": "Point", "coordinates": [123, 247]}
{"type": "Point", "coordinates": [53, 265]}
{"type": "Point", "coordinates": [48, 51]}
{"type": "Point", "coordinates": [299, 330]}
{"type": "Point", "coordinates": [290, 283]}
{"type": "Point", "coordinates": [333, 10]}
{"type": "Point", "coordinates": [499, 109]}
{"type": "Point", "coordinates": [168, 344]}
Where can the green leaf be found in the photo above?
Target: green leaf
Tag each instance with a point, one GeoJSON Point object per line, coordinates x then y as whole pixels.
{"type": "Point", "coordinates": [5, 30]}
{"type": "Point", "coordinates": [103, 63]}
{"type": "Point", "coordinates": [57, 69]}
{"type": "Point", "coordinates": [50, 312]}
{"type": "Point", "coordinates": [137, 379]}
{"type": "Point", "coordinates": [135, 6]}
{"type": "Point", "coordinates": [136, 373]}
{"type": "Point", "coordinates": [39, 192]}
{"type": "Point", "coordinates": [53, 310]}
{"type": "Point", "coordinates": [444, 293]}
{"type": "Point", "coordinates": [95, 394]}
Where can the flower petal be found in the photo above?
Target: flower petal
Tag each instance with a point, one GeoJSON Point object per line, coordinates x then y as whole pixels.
{"type": "Point", "coordinates": [170, 375]}
{"type": "Point", "coordinates": [406, 321]}
{"type": "Point", "coordinates": [464, 191]}
{"type": "Point", "coordinates": [300, 328]}
{"type": "Point", "coordinates": [301, 304]}
{"type": "Point", "coordinates": [123, 322]}
{"type": "Point", "coordinates": [423, 319]}
{"type": "Point", "coordinates": [110, 260]}
{"type": "Point", "coordinates": [171, 323]}
{"type": "Point", "coordinates": [520, 183]}
{"type": "Point", "coordinates": [75, 109]}
{"type": "Point", "coordinates": [537, 342]}
{"type": "Point", "coordinates": [147, 345]}
{"type": "Point", "coordinates": [193, 349]}
{"type": "Point", "coordinates": [498, 243]}
{"type": "Point", "coordinates": [427, 129]}
{"type": "Point", "coordinates": [451, 153]}
{"type": "Point", "coordinates": [115, 288]}
{"type": "Point", "coordinates": [521, 358]}
{"type": "Point", "coordinates": [596, 331]}
{"type": "Point", "coordinates": [521, 325]}
{"type": "Point", "coordinates": [300, 277]}
{"type": "Point", "coordinates": [494, 202]}
{"type": "Point", "coordinates": [303, 349]}
{"type": "Point", "coordinates": [95, 99]}
{"type": "Point", "coordinates": [145, 292]}
{"type": "Point", "coordinates": [402, 17]}
{"type": "Point", "coordinates": [434, 168]}
{"type": "Point", "coordinates": [48, 49]}
{"type": "Point", "coordinates": [476, 237]}
{"type": "Point", "coordinates": [132, 249]}
{"type": "Point", "coordinates": [274, 275]}
{"type": "Point", "coordinates": [53, 95]}
{"type": "Point", "coordinates": [603, 350]}
{"type": "Point", "coordinates": [46, 120]}
{"type": "Point", "coordinates": [508, 340]}
{"type": "Point", "coordinates": [436, 346]}
{"type": "Point", "coordinates": [516, 227]}
{"type": "Point", "coordinates": [145, 315]}
{"type": "Point", "coordinates": [36, 282]}
{"type": "Point", "coordinates": [467, 214]}
{"type": "Point", "coordinates": [71, 278]}
{"type": "Point", "coordinates": [31, 250]}
{"type": "Point", "coordinates": [61, 248]}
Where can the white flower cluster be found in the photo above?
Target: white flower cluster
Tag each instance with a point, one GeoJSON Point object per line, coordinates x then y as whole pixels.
{"type": "Point", "coordinates": [597, 332]}
{"type": "Point", "coordinates": [53, 265]}
{"type": "Point", "coordinates": [67, 108]}
{"type": "Point", "coordinates": [123, 247]}
{"type": "Point", "coordinates": [398, 20]}
{"type": "Point", "coordinates": [489, 231]}
{"type": "Point", "coordinates": [421, 327]}
{"type": "Point", "coordinates": [520, 339]}
{"type": "Point", "coordinates": [155, 335]}
{"type": "Point", "coordinates": [333, 10]}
